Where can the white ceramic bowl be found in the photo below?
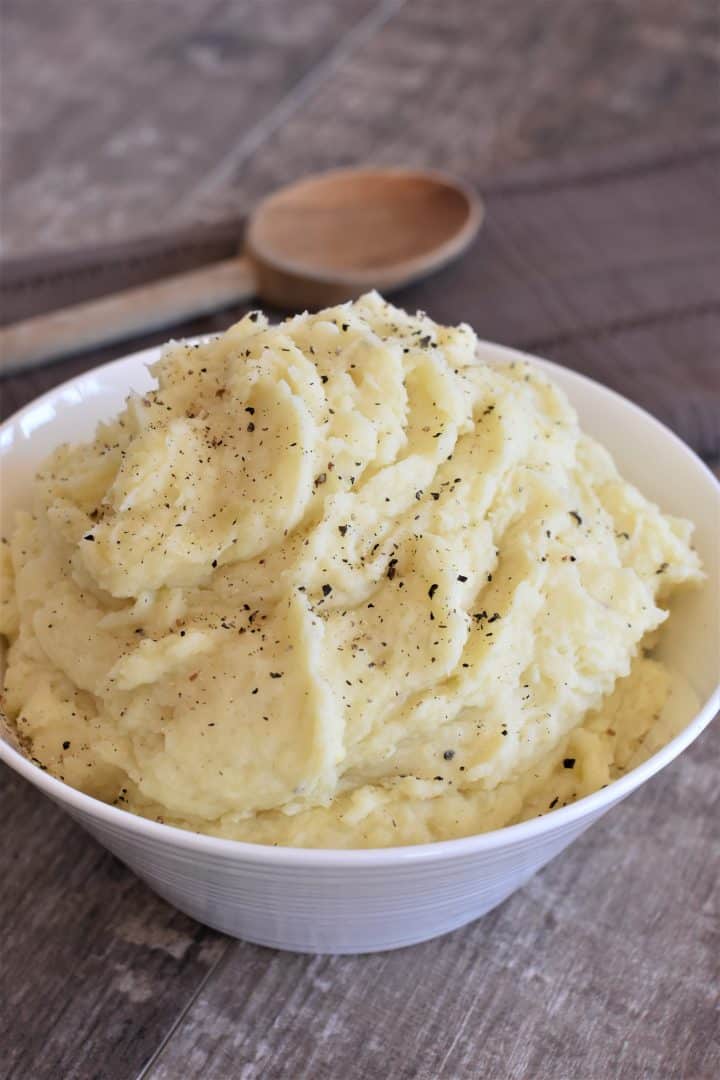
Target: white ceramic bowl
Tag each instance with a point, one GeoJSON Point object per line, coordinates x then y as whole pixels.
{"type": "Point", "coordinates": [361, 901]}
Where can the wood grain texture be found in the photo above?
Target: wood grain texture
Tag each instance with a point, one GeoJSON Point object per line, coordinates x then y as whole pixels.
{"type": "Point", "coordinates": [95, 968]}
{"type": "Point", "coordinates": [474, 86]}
{"type": "Point", "coordinates": [123, 315]}
{"type": "Point", "coordinates": [179, 109]}
{"type": "Point", "coordinates": [605, 965]}
{"type": "Point", "coordinates": [158, 91]}
{"type": "Point", "coordinates": [608, 261]}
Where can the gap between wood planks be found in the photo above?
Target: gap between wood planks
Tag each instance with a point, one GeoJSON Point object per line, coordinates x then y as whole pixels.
{"type": "Point", "coordinates": [155, 1055]}
{"type": "Point", "coordinates": [363, 30]}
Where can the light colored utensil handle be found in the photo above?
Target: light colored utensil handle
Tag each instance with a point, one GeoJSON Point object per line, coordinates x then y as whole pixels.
{"type": "Point", "coordinates": [33, 342]}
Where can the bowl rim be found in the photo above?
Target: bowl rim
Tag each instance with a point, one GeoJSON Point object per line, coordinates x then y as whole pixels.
{"type": "Point", "coordinates": [556, 821]}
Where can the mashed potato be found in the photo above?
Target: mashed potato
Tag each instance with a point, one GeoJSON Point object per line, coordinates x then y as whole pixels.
{"type": "Point", "coordinates": [338, 582]}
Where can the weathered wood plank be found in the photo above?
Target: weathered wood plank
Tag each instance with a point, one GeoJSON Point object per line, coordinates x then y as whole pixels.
{"type": "Point", "coordinates": [605, 965]}
{"type": "Point", "coordinates": [613, 271]}
{"type": "Point", "coordinates": [94, 968]}
{"type": "Point", "coordinates": [112, 112]}
{"type": "Point", "coordinates": [180, 110]}
{"type": "Point", "coordinates": [473, 87]}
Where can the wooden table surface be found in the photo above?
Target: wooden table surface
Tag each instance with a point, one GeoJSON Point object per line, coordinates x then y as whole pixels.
{"type": "Point", "coordinates": [124, 118]}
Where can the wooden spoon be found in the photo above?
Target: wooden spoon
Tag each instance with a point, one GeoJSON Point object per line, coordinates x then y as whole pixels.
{"type": "Point", "coordinates": [320, 241]}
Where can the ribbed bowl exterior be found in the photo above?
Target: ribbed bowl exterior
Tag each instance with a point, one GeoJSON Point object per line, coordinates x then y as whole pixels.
{"type": "Point", "coordinates": [348, 909]}
{"type": "Point", "coordinates": [361, 901]}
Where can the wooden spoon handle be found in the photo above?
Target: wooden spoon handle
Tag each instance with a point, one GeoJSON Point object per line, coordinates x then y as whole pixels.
{"type": "Point", "coordinates": [29, 344]}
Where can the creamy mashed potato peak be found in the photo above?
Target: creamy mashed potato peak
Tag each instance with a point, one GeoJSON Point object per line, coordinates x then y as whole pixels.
{"type": "Point", "coordinates": [342, 581]}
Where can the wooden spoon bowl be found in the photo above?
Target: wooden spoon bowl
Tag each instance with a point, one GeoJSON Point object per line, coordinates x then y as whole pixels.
{"type": "Point", "coordinates": [317, 242]}
{"type": "Point", "coordinates": [334, 236]}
